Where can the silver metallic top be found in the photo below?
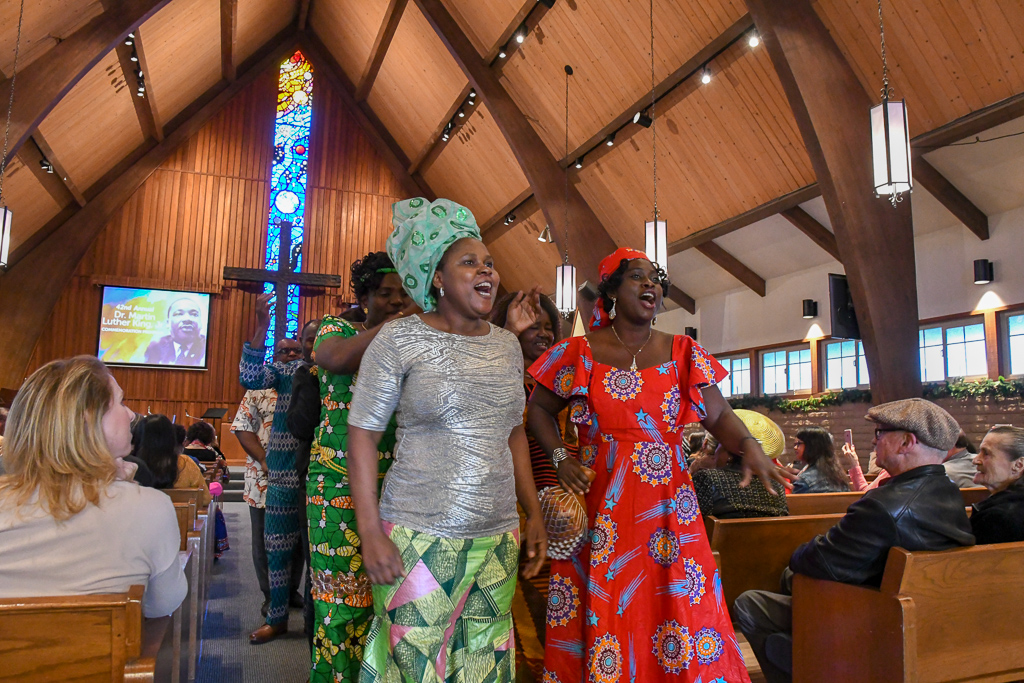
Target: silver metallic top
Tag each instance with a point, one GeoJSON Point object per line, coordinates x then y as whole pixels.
{"type": "Point", "coordinates": [456, 400]}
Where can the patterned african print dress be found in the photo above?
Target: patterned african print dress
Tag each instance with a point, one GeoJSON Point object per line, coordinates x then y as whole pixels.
{"type": "Point", "coordinates": [642, 599]}
{"type": "Point", "coordinates": [342, 593]}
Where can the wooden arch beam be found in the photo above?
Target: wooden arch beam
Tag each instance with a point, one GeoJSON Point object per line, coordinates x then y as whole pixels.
{"type": "Point", "coordinates": [144, 109]}
{"type": "Point", "coordinates": [589, 241]}
{"type": "Point", "coordinates": [951, 198]}
{"type": "Point", "coordinates": [876, 240]}
{"type": "Point", "coordinates": [45, 81]}
{"type": "Point", "coordinates": [392, 16]}
{"type": "Point", "coordinates": [733, 266]}
{"type": "Point", "coordinates": [228, 39]}
{"type": "Point", "coordinates": [818, 233]}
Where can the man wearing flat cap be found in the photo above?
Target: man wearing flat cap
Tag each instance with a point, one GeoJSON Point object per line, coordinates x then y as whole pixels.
{"type": "Point", "coordinates": [917, 509]}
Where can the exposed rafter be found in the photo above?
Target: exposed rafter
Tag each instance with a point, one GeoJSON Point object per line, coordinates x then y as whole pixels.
{"type": "Point", "coordinates": [367, 120]}
{"type": "Point", "coordinates": [528, 16]}
{"type": "Point", "coordinates": [51, 76]}
{"type": "Point", "coordinates": [436, 142]}
{"type": "Point", "coordinates": [31, 156]}
{"type": "Point", "coordinates": [590, 242]}
{"type": "Point", "coordinates": [228, 38]}
{"type": "Point", "coordinates": [733, 266]}
{"type": "Point", "coordinates": [392, 16]}
{"type": "Point", "coordinates": [971, 124]}
{"type": "Point", "coordinates": [148, 122]}
{"type": "Point", "coordinates": [41, 274]}
{"type": "Point", "coordinates": [525, 204]}
{"type": "Point", "coordinates": [303, 17]}
{"type": "Point", "coordinates": [682, 299]}
{"type": "Point", "coordinates": [809, 226]}
{"type": "Point", "coordinates": [951, 198]}
{"type": "Point", "coordinates": [58, 168]}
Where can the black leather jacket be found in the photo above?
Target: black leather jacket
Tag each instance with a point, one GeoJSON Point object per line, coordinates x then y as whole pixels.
{"type": "Point", "coordinates": [1000, 518]}
{"type": "Point", "coordinates": [917, 510]}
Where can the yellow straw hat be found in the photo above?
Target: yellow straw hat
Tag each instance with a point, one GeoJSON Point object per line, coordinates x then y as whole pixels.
{"type": "Point", "coordinates": [767, 433]}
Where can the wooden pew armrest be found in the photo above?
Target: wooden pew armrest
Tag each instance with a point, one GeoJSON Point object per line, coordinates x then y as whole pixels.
{"type": "Point", "coordinates": [156, 635]}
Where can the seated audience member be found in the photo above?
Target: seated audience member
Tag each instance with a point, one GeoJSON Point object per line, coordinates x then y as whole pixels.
{"type": "Point", "coordinates": [959, 464]}
{"type": "Point", "coordinates": [718, 486]}
{"type": "Point", "coordinates": [823, 473]}
{"type": "Point", "coordinates": [851, 463]}
{"type": "Point", "coordinates": [69, 523]}
{"type": "Point", "coordinates": [157, 447]}
{"type": "Point", "coordinates": [201, 442]}
{"type": "Point", "coordinates": [918, 509]}
{"type": "Point", "coordinates": [1000, 461]}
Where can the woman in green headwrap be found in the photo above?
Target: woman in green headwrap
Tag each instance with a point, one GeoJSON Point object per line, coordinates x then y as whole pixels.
{"type": "Point", "coordinates": [443, 549]}
{"type": "Point", "coordinates": [342, 594]}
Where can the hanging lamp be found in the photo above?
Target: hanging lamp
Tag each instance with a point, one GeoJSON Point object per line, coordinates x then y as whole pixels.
{"type": "Point", "coordinates": [565, 274]}
{"type": "Point", "coordinates": [890, 137]}
{"type": "Point", "coordinates": [656, 231]}
{"type": "Point", "coordinates": [6, 216]}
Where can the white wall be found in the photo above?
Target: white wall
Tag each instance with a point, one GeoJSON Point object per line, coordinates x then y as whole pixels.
{"type": "Point", "coordinates": [740, 319]}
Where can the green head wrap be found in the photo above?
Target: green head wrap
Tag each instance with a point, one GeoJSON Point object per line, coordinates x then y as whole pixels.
{"type": "Point", "coordinates": [423, 232]}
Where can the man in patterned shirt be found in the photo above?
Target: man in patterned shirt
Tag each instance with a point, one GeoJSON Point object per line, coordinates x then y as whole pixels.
{"type": "Point", "coordinates": [251, 427]}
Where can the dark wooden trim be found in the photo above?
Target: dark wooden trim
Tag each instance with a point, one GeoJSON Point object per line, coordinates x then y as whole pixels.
{"type": "Point", "coordinates": [759, 213]}
{"type": "Point", "coordinates": [58, 168]}
{"type": "Point", "coordinates": [971, 124]}
{"type": "Point", "coordinates": [590, 242]}
{"type": "Point", "coordinates": [529, 16]}
{"type": "Point", "coordinates": [31, 155]}
{"type": "Point", "coordinates": [303, 17]}
{"type": "Point", "coordinates": [46, 80]}
{"type": "Point", "coordinates": [228, 39]}
{"type": "Point", "coordinates": [371, 125]}
{"type": "Point", "coordinates": [143, 105]}
{"type": "Point", "coordinates": [809, 226]}
{"type": "Point", "coordinates": [733, 266]}
{"type": "Point", "coordinates": [688, 69]}
{"type": "Point", "coordinates": [40, 235]}
{"type": "Point", "coordinates": [684, 300]}
{"type": "Point", "coordinates": [951, 198]}
{"type": "Point", "coordinates": [428, 155]}
{"type": "Point", "coordinates": [381, 43]}
{"type": "Point", "coordinates": [525, 203]}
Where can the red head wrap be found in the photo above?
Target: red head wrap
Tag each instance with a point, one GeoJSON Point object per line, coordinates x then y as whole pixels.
{"type": "Point", "coordinates": [609, 264]}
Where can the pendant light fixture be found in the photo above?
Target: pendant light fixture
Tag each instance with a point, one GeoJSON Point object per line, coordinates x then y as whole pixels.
{"type": "Point", "coordinates": [890, 137]}
{"type": "Point", "coordinates": [6, 216]}
{"type": "Point", "coordinates": [656, 231]}
{"type": "Point", "coordinates": [565, 274]}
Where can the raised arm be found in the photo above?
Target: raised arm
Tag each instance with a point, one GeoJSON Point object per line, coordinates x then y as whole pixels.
{"type": "Point", "coordinates": [342, 354]}
{"type": "Point", "coordinates": [253, 373]}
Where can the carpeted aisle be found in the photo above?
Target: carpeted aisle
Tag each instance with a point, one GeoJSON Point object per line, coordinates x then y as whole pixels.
{"type": "Point", "coordinates": [234, 611]}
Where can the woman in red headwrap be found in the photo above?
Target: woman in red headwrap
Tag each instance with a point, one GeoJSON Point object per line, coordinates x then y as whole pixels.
{"type": "Point", "coordinates": [641, 599]}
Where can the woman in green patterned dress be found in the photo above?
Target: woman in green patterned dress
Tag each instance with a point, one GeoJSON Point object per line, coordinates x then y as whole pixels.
{"type": "Point", "coordinates": [342, 594]}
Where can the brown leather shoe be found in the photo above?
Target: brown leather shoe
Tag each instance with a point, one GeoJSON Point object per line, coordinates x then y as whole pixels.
{"type": "Point", "coordinates": [266, 633]}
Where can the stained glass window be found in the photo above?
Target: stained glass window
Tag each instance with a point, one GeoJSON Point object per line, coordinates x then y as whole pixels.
{"type": "Point", "coordinates": [288, 175]}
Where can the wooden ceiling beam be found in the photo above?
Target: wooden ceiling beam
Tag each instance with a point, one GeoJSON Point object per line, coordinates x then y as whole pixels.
{"type": "Point", "coordinates": [971, 124]}
{"type": "Point", "coordinates": [525, 204]}
{"type": "Point", "coordinates": [682, 299]}
{"type": "Point", "coordinates": [589, 241]}
{"type": "Point", "coordinates": [392, 16]}
{"type": "Point", "coordinates": [143, 105]}
{"type": "Point", "coordinates": [809, 226]}
{"type": "Point", "coordinates": [303, 17]}
{"type": "Point", "coordinates": [46, 80]}
{"type": "Point", "coordinates": [58, 168]}
{"type": "Point", "coordinates": [436, 142]}
{"type": "Point", "coordinates": [951, 198]}
{"type": "Point", "coordinates": [528, 16]}
{"type": "Point", "coordinates": [228, 38]}
{"type": "Point", "coordinates": [41, 274]}
{"type": "Point", "coordinates": [733, 266]}
{"type": "Point", "coordinates": [412, 184]}
{"type": "Point", "coordinates": [31, 156]}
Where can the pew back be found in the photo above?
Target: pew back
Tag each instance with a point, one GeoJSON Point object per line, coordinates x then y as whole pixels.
{"type": "Point", "coordinates": [753, 552]}
{"type": "Point", "coordinates": [831, 503]}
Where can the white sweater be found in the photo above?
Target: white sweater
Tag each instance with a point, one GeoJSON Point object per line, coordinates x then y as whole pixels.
{"type": "Point", "coordinates": [131, 538]}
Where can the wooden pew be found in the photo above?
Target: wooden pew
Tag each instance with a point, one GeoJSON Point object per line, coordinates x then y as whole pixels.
{"type": "Point", "coordinates": [192, 609]}
{"type": "Point", "coordinates": [83, 637]}
{"type": "Point", "coordinates": [830, 503]}
{"type": "Point", "coordinates": [753, 552]}
{"type": "Point", "coordinates": [938, 616]}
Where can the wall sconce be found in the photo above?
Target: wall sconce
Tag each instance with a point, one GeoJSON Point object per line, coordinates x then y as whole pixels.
{"type": "Point", "coordinates": [810, 307]}
{"type": "Point", "coordinates": [983, 271]}
{"type": "Point", "coordinates": [690, 332]}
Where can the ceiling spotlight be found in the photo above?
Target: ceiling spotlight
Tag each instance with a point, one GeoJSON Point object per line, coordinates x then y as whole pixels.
{"type": "Point", "coordinates": [610, 140]}
{"type": "Point", "coordinates": [45, 164]}
{"type": "Point", "coordinates": [472, 94]}
{"type": "Point", "coordinates": [705, 77]}
{"type": "Point", "coordinates": [754, 39]}
{"type": "Point", "coordinates": [502, 53]}
{"type": "Point", "coordinates": [579, 162]}
{"type": "Point", "coordinates": [521, 34]}
{"type": "Point", "coordinates": [445, 137]}
{"type": "Point", "coordinates": [139, 74]}
{"type": "Point", "coordinates": [510, 219]}
{"type": "Point", "coordinates": [545, 235]}
{"type": "Point", "coordinates": [134, 57]}
{"type": "Point", "coordinates": [130, 40]}
{"type": "Point", "coordinates": [642, 119]}
{"type": "Point", "coordinates": [462, 114]}
{"type": "Point", "coordinates": [141, 93]}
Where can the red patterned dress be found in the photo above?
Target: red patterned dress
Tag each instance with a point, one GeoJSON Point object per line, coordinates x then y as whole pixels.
{"type": "Point", "coordinates": [641, 600]}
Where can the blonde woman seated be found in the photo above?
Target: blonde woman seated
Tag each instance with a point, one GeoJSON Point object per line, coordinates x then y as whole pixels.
{"type": "Point", "coordinates": [71, 521]}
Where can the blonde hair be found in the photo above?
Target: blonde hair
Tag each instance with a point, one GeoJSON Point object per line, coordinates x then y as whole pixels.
{"type": "Point", "coordinates": [54, 439]}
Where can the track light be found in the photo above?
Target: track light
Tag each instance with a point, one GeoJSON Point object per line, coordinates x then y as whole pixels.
{"type": "Point", "coordinates": [705, 77]}
{"type": "Point", "coordinates": [45, 164]}
{"type": "Point", "coordinates": [472, 94]}
{"type": "Point", "coordinates": [134, 57]}
{"type": "Point", "coordinates": [130, 40]}
{"type": "Point", "coordinates": [502, 52]}
{"type": "Point", "coordinates": [510, 219]}
{"type": "Point", "coordinates": [545, 235]}
{"type": "Point", "coordinates": [642, 119]}
{"type": "Point", "coordinates": [579, 162]}
{"type": "Point", "coordinates": [610, 140]}
{"type": "Point", "coordinates": [754, 39]}
{"type": "Point", "coordinates": [139, 74]}
{"type": "Point", "coordinates": [521, 34]}
{"type": "Point", "coordinates": [462, 114]}
{"type": "Point", "coordinates": [445, 137]}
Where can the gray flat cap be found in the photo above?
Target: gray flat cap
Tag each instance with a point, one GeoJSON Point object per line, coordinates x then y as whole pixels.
{"type": "Point", "coordinates": [932, 425]}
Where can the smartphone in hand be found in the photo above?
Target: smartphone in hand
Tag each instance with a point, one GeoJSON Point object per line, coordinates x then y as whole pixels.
{"type": "Point", "coordinates": [848, 436]}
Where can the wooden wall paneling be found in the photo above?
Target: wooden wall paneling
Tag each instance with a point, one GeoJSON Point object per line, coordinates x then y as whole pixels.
{"type": "Point", "coordinates": [183, 53]}
{"type": "Point", "coordinates": [261, 20]}
{"type": "Point", "coordinates": [477, 168]}
{"type": "Point", "coordinates": [947, 58]}
{"type": "Point", "coordinates": [486, 23]}
{"type": "Point", "coordinates": [46, 23]}
{"type": "Point", "coordinates": [417, 69]}
{"type": "Point", "coordinates": [28, 200]}
{"type": "Point", "coordinates": [607, 44]}
{"type": "Point", "coordinates": [348, 29]}
{"type": "Point", "coordinates": [100, 101]}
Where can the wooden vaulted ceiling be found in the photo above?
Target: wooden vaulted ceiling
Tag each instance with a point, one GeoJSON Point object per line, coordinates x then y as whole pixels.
{"type": "Point", "coordinates": [726, 151]}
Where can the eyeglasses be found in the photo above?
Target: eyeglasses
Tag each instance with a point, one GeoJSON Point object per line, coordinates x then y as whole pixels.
{"type": "Point", "coordinates": [882, 430]}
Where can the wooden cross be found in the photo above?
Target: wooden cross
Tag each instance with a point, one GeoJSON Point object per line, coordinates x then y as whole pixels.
{"type": "Point", "coordinates": [282, 277]}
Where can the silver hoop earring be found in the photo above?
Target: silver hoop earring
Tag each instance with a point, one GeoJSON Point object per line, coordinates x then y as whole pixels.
{"type": "Point", "coordinates": [611, 313]}
{"type": "Point", "coordinates": [441, 291]}
{"type": "Point", "coordinates": [655, 321]}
